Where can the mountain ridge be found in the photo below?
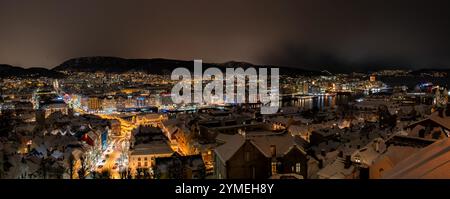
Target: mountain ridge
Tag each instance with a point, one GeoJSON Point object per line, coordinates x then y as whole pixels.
{"type": "Point", "coordinates": [17, 71]}
{"type": "Point", "coordinates": [156, 65]}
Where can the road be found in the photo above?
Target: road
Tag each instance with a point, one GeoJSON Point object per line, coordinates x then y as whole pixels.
{"type": "Point", "coordinates": [109, 165]}
{"type": "Point", "coordinates": [117, 152]}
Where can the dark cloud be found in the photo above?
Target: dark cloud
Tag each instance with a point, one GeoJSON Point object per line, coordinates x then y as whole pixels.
{"type": "Point", "coordinates": [329, 34]}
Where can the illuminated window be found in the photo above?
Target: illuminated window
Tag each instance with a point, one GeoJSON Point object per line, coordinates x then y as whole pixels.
{"type": "Point", "coordinates": [139, 164]}
{"type": "Point", "coordinates": [145, 164]}
{"type": "Point", "coordinates": [274, 167]}
{"type": "Point", "coordinates": [297, 168]}
{"type": "Point", "coordinates": [139, 159]}
{"type": "Point", "coordinates": [145, 158]}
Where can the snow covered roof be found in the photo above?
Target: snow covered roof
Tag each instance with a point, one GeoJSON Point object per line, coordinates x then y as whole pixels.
{"type": "Point", "coordinates": [56, 141]}
{"type": "Point", "coordinates": [154, 148]}
{"type": "Point", "coordinates": [295, 128]}
{"type": "Point", "coordinates": [42, 150]}
{"type": "Point", "coordinates": [221, 137]}
{"type": "Point", "coordinates": [283, 120]}
{"type": "Point", "coordinates": [434, 117]}
{"type": "Point", "coordinates": [392, 156]}
{"type": "Point", "coordinates": [331, 145]}
{"type": "Point", "coordinates": [370, 152]}
{"type": "Point", "coordinates": [57, 154]}
{"type": "Point", "coordinates": [336, 170]}
{"type": "Point", "coordinates": [33, 167]}
{"type": "Point", "coordinates": [286, 176]}
{"type": "Point", "coordinates": [430, 162]}
{"type": "Point", "coordinates": [232, 145]}
{"type": "Point", "coordinates": [283, 143]}
{"type": "Point", "coordinates": [401, 140]}
{"type": "Point", "coordinates": [299, 129]}
{"type": "Point", "coordinates": [77, 153]}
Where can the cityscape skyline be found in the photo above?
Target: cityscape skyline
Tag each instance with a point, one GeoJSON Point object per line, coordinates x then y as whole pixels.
{"type": "Point", "coordinates": [256, 90]}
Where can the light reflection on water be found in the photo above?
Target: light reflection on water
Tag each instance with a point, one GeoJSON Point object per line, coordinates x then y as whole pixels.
{"type": "Point", "coordinates": [320, 102]}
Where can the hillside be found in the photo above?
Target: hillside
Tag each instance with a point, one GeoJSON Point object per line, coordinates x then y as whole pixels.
{"type": "Point", "coordinates": [155, 66]}
{"type": "Point", "coordinates": [15, 71]}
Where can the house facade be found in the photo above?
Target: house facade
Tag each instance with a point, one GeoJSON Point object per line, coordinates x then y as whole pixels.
{"type": "Point", "coordinates": [259, 157]}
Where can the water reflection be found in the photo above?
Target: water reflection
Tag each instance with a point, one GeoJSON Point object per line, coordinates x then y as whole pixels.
{"type": "Point", "coordinates": [323, 102]}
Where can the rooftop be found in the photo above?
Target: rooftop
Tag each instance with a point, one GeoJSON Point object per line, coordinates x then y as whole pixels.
{"type": "Point", "coordinates": [336, 170]}
{"type": "Point", "coordinates": [431, 162]}
{"type": "Point", "coordinates": [153, 148]}
{"type": "Point", "coordinates": [283, 143]}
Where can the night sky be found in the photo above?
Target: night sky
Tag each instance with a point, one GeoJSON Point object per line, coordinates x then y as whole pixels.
{"type": "Point", "coordinates": [319, 34]}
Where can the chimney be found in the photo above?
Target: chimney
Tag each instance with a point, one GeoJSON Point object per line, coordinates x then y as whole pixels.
{"type": "Point", "coordinates": [320, 163]}
{"type": "Point", "coordinates": [347, 162]}
{"type": "Point", "coordinates": [341, 154]}
{"type": "Point", "coordinates": [322, 152]}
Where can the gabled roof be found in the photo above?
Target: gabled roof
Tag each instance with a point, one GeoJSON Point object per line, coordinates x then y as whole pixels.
{"type": "Point", "coordinates": [283, 143]}
{"type": "Point", "coordinates": [434, 117]}
{"type": "Point", "coordinates": [430, 162]}
{"type": "Point", "coordinates": [232, 145]}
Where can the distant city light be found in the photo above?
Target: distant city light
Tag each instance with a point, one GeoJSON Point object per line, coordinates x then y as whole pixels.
{"type": "Point", "coordinates": [114, 126]}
